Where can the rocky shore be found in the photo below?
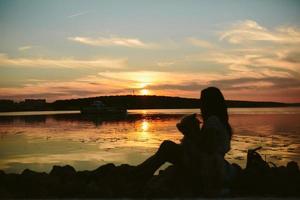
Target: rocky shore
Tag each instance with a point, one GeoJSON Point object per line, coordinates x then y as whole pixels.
{"type": "Point", "coordinates": [259, 178]}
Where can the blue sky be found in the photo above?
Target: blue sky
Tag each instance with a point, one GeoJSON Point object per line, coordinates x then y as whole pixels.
{"type": "Point", "coordinates": [68, 49]}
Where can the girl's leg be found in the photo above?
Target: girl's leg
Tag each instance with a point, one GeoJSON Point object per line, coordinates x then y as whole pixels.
{"type": "Point", "coordinates": [168, 152]}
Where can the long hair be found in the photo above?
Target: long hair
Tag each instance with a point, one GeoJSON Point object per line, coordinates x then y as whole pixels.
{"type": "Point", "coordinates": [212, 102]}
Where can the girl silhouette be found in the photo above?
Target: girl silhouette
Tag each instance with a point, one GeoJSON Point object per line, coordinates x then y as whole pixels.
{"type": "Point", "coordinates": [212, 143]}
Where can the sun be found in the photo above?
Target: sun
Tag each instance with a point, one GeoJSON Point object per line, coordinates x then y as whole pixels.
{"type": "Point", "coordinates": [144, 92]}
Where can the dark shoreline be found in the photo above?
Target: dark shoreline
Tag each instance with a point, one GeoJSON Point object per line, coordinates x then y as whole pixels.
{"type": "Point", "coordinates": [258, 179]}
{"type": "Point", "coordinates": [128, 102]}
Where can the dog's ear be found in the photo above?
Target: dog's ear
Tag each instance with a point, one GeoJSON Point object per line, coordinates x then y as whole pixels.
{"type": "Point", "coordinates": [181, 128]}
{"type": "Point", "coordinates": [178, 125]}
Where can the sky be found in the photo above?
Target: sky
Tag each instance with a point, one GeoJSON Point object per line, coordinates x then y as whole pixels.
{"type": "Point", "coordinates": [62, 49]}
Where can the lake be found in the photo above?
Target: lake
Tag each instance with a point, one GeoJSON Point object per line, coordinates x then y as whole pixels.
{"type": "Point", "coordinates": [39, 140]}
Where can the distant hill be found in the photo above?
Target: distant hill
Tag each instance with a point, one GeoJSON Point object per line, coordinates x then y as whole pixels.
{"type": "Point", "coordinates": [129, 102]}
{"type": "Point", "coordinates": [156, 102]}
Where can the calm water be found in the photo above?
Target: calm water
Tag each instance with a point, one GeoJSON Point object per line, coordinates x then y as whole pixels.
{"type": "Point", "coordinates": [39, 140]}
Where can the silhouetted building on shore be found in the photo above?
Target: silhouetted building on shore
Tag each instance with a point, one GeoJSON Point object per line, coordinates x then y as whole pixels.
{"type": "Point", "coordinates": [33, 104]}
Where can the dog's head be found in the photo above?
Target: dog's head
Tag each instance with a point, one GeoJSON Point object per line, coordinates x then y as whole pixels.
{"type": "Point", "coordinates": [189, 124]}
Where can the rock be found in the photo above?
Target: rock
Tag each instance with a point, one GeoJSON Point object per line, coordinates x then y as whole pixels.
{"type": "Point", "coordinates": [160, 185]}
{"type": "Point", "coordinates": [104, 169]}
{"type": "Point", "coordinates": [2, 173]}
{"type": "Point", "coordinates": [30, 173]}
{"type": "Point", "coordinates": [125, 181]}
{"type": "Point", "coordinates": [63, 171]}
{"type": "Point", "coordinates": [292, 167]}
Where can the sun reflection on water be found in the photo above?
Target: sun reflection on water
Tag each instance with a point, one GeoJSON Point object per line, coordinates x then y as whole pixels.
{"type": "Point", "coordinates": [144, 134]}
{"type": "Point", "coordinates": [145, 126]}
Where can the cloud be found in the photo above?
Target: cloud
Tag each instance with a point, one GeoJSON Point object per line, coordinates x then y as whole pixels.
{"type": "Point", "coordinates": [255, 89]}
{"type": "Point", "coordinates": [136, 78]}
{"type": "Point", "coordinates": [104, 83]}
{"type": "Point", "coordinates": [239, 78]}
{"type": "Point", "coordinates": [268, 52]}
{"type": "Point", "coordinates": [200, 43]}
{"type": "Point", "coordinates": [292, 56]}
{"type": "Point", "coordinates": [24, 48]}
{"type": "Point", "coordinates": [165, 64]}
{"type": "Point", "coordinates": [114, 41]}
{"type": "Point", "coordinates": [248, 30]}
{"type": "Point", "coordinates": [266, 68]}
{"type": "Point", "coordinates": [52, 90]}
{"type": "Point", "coordinates": [78, 14]}
{"type": "Point", "coordinates": [232, 84]}
{"type": "Point", "coordinates": [193, 82]}
{"type": "Point", "coordinates": [63, 62]}
{"type": "Point", "coordinates": [254, 60]}
{"type": "Point", "coordinates": [257, 83]}
{"type": "Point", "coordinates": [159, 83]}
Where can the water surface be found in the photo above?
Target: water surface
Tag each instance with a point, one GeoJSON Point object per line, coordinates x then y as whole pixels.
{"type": "Point", "coordinates": [39, 140]}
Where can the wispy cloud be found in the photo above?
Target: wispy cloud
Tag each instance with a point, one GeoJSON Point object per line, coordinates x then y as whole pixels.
{"type": "Point", "coordinates": [267, 69]}
{"type": "Point", "coordinates": [254, 84]}
{"type": "Point", "coordinates": [165, 64]}
{"type": "Point", "coordinates": [52, 90]}
{"type": "Point", "coordinates": [24, 48]}
{"type": "Point", "coordinates": [275, 51]}
{"type": "Point", "coordinates": [200, 43]}
{"type": "Point", "coordinates": [104, 83]}
{"type": "Point", "coordinates": [78, 14]}
{"type": "Point", "coordinates": [250, 60]}
{"type": "Point", "coordinates": [245, 31]}
{"type": "Point", "coordinates": [62, 62]}
{"type": "Point", "coordinates": [258, 89]}
{"type": "Point", "coordinates": [114, 41]}
{"type": "Point", "coordinates": [268, 87]}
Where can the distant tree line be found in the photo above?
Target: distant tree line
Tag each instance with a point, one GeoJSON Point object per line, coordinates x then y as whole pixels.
{"type": "Point", "coordinates": [125, 101]}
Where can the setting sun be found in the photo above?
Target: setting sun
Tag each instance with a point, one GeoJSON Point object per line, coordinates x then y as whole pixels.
{"type": "Point", "coordinates": [144, 92]}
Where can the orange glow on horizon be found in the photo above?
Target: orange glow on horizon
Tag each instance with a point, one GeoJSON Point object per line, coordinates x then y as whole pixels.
{"type": "Point", "coordinates": [144, 92]}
